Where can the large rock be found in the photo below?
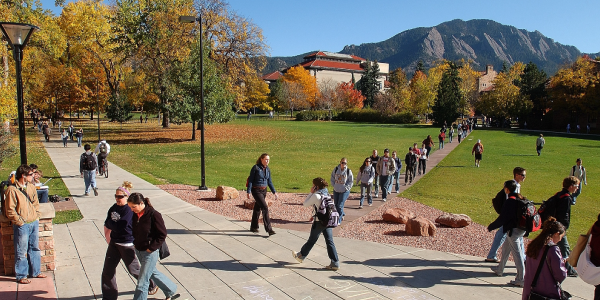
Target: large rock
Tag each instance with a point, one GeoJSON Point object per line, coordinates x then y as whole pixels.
{"type": "Point", "coordinates": [227, 193]}
{"type": "Point", "coordinates": [454, 220]}
{"type": "Point", "coordinates": [249, 204]}
{"type": "Point", "coordinates": [420, 226]}
{"type": "Point", "coordinates": [398, 215]}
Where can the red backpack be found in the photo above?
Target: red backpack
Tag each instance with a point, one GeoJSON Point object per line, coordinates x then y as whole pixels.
{"type": "Point", "coordinates": [528, 218]}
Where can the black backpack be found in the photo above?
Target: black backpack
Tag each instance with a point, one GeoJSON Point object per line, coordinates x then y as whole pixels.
{"type": "Point", "coordinates": [498, 201]}
{"type": "Point", "coordinates": [528, 218]}
{"type": "Point", "coordinates": [548, 207]}
{"type": "Point", "coordinates": [89, 162]}
{"type": "Point", "coordinates": [326, 212]}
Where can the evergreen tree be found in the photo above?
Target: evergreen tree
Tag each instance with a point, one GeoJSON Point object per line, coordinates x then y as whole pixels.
{"type": "Point", "coordinates": [504, 67]}
{"type": "Point", "coordinates": [448, 99]}
{"type": "Point", "coordinates": [368, 84]}
{"type": "Point", "coordinates": [420, 67]}
{"type": "Point", "coordinates": [119, 109]}
{"type": "Point", "coordinates": [532, 86]}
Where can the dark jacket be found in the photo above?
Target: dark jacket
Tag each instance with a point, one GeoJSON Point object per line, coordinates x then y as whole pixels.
{"type": "Point", "coordinates": [260, 176]}
{"type": "Point", "coordinates": [398, 165]}
{"type": "Point", "coordinates": [149, 231]}
{"type": "Point", "coordinates": [563, 209]}
{"type": "Point", "coordinates": [508, 216]}
{"type": "Point", "coordinates": [118, 220]}
{"type": "Point", "coordinates": [410, 159]}
{"type": "Point", "coordinates": [595, 244]}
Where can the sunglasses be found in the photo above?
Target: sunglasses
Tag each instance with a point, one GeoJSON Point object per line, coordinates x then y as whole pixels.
{"type": "Point", "coordinates": [120, 196]}
{"type": "Point", "coordinates": [343, 163]}
{"type": "Point", "coordinates": [524, 175]}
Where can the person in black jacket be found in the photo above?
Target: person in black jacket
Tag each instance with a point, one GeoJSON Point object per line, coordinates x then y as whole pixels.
{"type": "Point", "coordinates": [563, 215]}
{"type": "Point", "coordinates": [514, 242]}
{"type": "Point", "coordinates": [259, 179]}
{"type": "Point", "coordinates": [149, 233]}
{"type": "Point", "coordinates": [410, 160]}
{"type": "Point", "coordinates": [118, 234]}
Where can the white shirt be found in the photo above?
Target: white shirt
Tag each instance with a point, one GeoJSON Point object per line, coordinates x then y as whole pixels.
{"type": "Point", "coordinates": [384, 168]}
{"type": "Point", "coordinates": [97, 150]}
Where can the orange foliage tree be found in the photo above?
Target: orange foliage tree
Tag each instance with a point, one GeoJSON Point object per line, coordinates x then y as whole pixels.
{"type": "Point", "coordinates": [349, 96]}
{"type": "Point", "coordinates": [308, 86]}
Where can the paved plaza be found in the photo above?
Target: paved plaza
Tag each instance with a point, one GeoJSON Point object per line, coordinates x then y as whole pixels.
{"type": "Point", "coordinates": [214, 257]}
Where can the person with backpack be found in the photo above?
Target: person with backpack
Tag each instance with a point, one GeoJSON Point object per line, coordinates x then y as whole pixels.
{"type": "Point", "coordinates": [410, 159]}
{"type": "Point", "coordinates": [508, 220]}
{"type": "Point", "coordinates": [342, 180]}
{"type": "Point", "coordinates": [578, 171]}
{"type": "Point", "coordinates": [102, 150]}
{"type": "Point", "coordinates": [258, 181]}
{"type": "Point", "coordinates": [320, 200]}
{"type": "Point", "coordinates": [441, 139]}
{"type": "Point", "coordinates": [559, 207]}
{"type": "Point", "coordinates": [149, 235]}
{"type": "Point", "coordinates": [428, 144]}
{"type": "Point", "coordinates": [545, 267]}
{"type": "Point", "coordinates": [119, 237]}
{"type": "Point", "coordinates": [386, 167]}
{"type": "Point", "coordinates": [422, 162]}
{"type": "Point", "coordinates": [398, 162]}
{"type": "Point", "coordinates": [79, 136]}
{"type": "Point", "coordinates": [365, 178]}
{"type": "Point", "coordinates": [451, 133]}
{"type": "Point", "coordinates": [374, 160]}
{"type": "Point", "coordinates": [478, 151]}
{"type": "Point", "coordinates": [539, 144]}
{"type": "Point", "coordinates": [87, 167]}
{"type": "Point", "coordinates": [65, 137]}
{"type": "Point", "coordinates": [22, 209]}
{"type": "Point", "coordinates": [47, 131]}
{"type": "Point", "coordinates": [519, 175]}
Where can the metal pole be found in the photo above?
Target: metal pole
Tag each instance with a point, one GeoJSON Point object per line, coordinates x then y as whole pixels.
{"type": "Point", "coordinates": [18, 55]}
{"type": "Point", "coordinates": [98, 109]}
{"type": "Point", "coordinates": [203, 167]}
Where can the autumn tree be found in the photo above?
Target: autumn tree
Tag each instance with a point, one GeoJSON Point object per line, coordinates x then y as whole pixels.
{"type": "Point", "coordinates": [291, 95]}
{"type": "Point", "coordinates": [385, 104]}
{"type": "Point", "coordinates": [400, 89]}
{"type": "Point", "coordinates": [348, 96]}
{"type": "Point", "coordinates": [505, 100]}
{"type": "Point", "coordinates": [368, 84]}
{"type": "Point", "coordinates": [468, 87]}
{"type": "Point", "coordinates": [328, 98]}
{"type": "Point", "coordinates": [308, 88]}
{"type": "Point", "coordinates": [448, 98]}
{"type": "Point", "coordinates": [257, 93]}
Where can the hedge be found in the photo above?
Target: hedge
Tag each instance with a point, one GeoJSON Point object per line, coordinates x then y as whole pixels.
{"type": "Point", "coordinates": [356, 115]}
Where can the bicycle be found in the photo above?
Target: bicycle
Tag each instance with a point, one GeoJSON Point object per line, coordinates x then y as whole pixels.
{"type": "Point", "coordinates": [103, 170]}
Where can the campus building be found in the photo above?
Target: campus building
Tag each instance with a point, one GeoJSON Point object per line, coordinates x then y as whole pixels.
{"type": "Point", "coordinates": [336, 67]}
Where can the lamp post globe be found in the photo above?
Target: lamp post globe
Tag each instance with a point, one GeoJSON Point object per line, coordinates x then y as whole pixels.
{"type": "Point", "coordinates": [18, 35]}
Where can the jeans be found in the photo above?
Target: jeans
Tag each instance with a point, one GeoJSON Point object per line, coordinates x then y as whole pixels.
{"type": "Point", "coordinates": [114, 254]}
{"type": "Point", "coordinates": [428, 151]}
{"type": "Point", "coordinates": [409, 174]}
{"type": "Point", "coordinates": [576, 194]}
{"type": "Point", "coordinates": [539, 150]}
{"type": "Point", "coordinates": [365, 187]}
{"type": "Point", "coordinates": [441, 144]}
{"type": "Point", "coordinates": [79, 138]}
{"type": "Point", "coordinates": [422, 166]}
{"type": "Point", "coordinates": [89, 177]}
{"type": "Point", "coordinates": [315, 232]}
{"type": "Point", "coordinates": [396, 181]}
{"type": "Point", "coordinates": [498, 241]}
{"type": "Point", "coordinates": [565, 250]}
{"type": "Point", "coordinates": [260, 205]}
{"type": "Point", "coordinates": [339, 199]}
{"type": "Point", "coordinates": [42, 195]}
{"type": "Point", "coordinates": [148, 271]}
{"type": "Point", "coordinates": [385, 185]}
{"type": "Point", "coordinates": [65, 141]}
{"type": "Point", "coordinates": [376, 184]}
{"type": "Point", "coordinates": [451, 135]}
{"type": "Point", "coordinates": [27, 250]}
{"type": "Point", "coordinates": [514, 245]}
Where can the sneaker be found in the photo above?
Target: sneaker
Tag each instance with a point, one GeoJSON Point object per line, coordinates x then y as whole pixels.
{"type": "Point", "coordinates": [86, 194]}
{"type": "Point", "coordinates": [370, 204]}
{"type": "Point", "coordinates": [376, 195]}
{"type": "Point", "coordinates": [271, 233]}
{"type": "Point", "coordinates": [360, 206]}
{"type": "Point", "coordinates": [491, 260]}
{"type": "Point", "coordinates": [95, 191]}
{"type": "Point", "coordinates": [495, 270]}
{"type": "Point", "coordinates": [332, 268]}
{"type": "Point", "coordinates": [384, 199]}
{"type": "Point", "coordinates": [174, 297]}
{"type": "Point", "coordinates": [517, 283]}
{"type": "Point", "coordinates": [298, 256]}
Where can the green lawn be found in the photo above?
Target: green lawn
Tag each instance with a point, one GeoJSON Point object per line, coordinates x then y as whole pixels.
{"type": "Point", "coordinates": [457, 186]}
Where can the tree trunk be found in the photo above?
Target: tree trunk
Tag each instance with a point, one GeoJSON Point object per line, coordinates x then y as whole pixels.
{"type": "Point", "coordinates": [194, 130]}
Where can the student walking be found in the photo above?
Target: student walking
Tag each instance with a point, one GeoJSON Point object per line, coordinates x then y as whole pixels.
{"type": "Point", "coordinates": [410, 160]}
{"type": "Point", "coordinates": [87, 167]}
{"type": "Point", "coordinates": [342, 180]}
{"type": "Point", "coordinates": [578, 171]}
{"type": "Point", "coordinates": [374, 160]}
{"type": "Point", "coordinates": [451, 133]}
{"type": "Point", "coordinates": [79, 136]}
{"type": "Point", "coordinates": [428, 144]}
{"type": "Point", "coordinates": [65, 137]}
{"type": "Point", "coordinates": [422, 162]}
{"type": "Point", "coordinates": [365, 178]}
{"type": "Point", "coordinates": [545, 267]}
{"type": "Point", "coordinates": [539, 144]}
{"type": "Point", "coordinates": [460, 133]}
{"type": "Point", "coordinates": [595, 251]}
{"type": "Point", "coordinates": [318, 194]}
{"type": "Point", "coordinates": [259, 179]}
{"type": "Point", "coordinates": [478, 151]}
{"type": "Point", "coordinates": [396, 179]}
{"type": "Point", "coordinates": [119, 237]}
{"type": "Point", "coordinates": [386, 167]}
{"type": "Point", "coordinates": [149, 234]}
{"type": "Point", "coordinates": [441, 139]}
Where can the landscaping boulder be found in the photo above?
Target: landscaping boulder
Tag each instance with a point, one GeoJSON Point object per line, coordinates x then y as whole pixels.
{"type": "Point", "coordinates": [227, 193]}
{"type": "Point", "coordinates": [249, 204]}
{"type": "Point", "coordinates": [454, 220]}
{"type": "Point", "coordinates": [398, 215]}
{"type": "Point", "coordinates": [420, 226]}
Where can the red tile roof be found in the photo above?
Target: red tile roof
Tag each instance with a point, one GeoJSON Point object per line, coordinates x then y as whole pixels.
{"type": "Point", "coordinates": [322, 53]}
{"type": "Point", "coordinates": [331, 65]}
{"type": "Point", "coordinates": [272, 76]}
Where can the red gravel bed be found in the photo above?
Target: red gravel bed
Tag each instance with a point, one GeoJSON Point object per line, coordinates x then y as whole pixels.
{"type": "Point", "coordinates": [472, 240]}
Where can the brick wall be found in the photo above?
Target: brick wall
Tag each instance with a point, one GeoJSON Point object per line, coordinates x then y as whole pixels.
{"type": "Point", "coordinates": [46, 241]}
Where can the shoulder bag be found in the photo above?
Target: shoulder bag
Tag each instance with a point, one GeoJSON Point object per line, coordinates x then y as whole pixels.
{"type": "Point", "coordinates": [163, 251]}
{"type": "Point", "coordinates": [564, 295]}
{"type": "Point", "coordinates": [588, 272]}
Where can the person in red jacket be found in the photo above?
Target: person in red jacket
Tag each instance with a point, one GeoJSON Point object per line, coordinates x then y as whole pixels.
{"type": "Point", "coordinates": [478, 151]}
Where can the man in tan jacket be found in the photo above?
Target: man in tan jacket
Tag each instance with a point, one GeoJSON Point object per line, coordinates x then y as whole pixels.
{"type": "Point", "coordinates": [23, 211]}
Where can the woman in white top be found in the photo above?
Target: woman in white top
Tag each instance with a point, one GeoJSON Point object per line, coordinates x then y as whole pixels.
{"type": "Point", "coordinates": [578, 171]}
{"type": "Point", "coordinates": [365, 178]}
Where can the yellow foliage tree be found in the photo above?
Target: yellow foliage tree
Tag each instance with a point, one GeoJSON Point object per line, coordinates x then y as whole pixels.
{"type": "Point", "coordinates": [468, 87]}
{"type": "Point", "coordinates": [308, 85]}
{"type": "Point", "coordinates": [257, 94]}
{"type": "Point", "coordinates": [505, 100]}
{"type": "Point", "coordinates": [576, 88]}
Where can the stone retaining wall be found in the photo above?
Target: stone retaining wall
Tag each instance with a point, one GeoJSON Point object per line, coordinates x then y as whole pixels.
{"type": "Point", "coordinates": [46, 241]}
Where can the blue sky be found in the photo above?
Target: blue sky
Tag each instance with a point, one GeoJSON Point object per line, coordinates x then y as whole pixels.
{"type": "Point", "coordinates": [292, 27]}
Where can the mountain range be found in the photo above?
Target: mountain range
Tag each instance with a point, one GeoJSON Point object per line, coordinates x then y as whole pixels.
{"type": "Point", "coordinates": [481, 41]}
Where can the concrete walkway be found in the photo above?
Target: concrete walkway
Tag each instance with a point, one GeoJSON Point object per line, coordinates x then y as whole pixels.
{"type": "Point", "coordinates": [213, 257]}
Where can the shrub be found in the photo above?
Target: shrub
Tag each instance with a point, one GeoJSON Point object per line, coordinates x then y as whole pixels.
{"type": "Point", "coordinates": [403, 118]}
{"type": "Point", "coordinates": [359, 115]}
{"type": "Point", "coordinates": [316, 115]}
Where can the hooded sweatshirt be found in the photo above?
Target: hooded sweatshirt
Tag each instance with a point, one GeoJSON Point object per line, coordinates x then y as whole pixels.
{"type": "Point", "coordinates": [341, 180]}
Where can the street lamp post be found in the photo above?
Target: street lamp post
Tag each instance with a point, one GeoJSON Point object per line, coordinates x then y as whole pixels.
{"type": "Point", "coordinates": [192, 19]}
{"type": "Point", "coordinates": [98, 109]}
{"type": "Point", "coordinates": [17, 35]}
